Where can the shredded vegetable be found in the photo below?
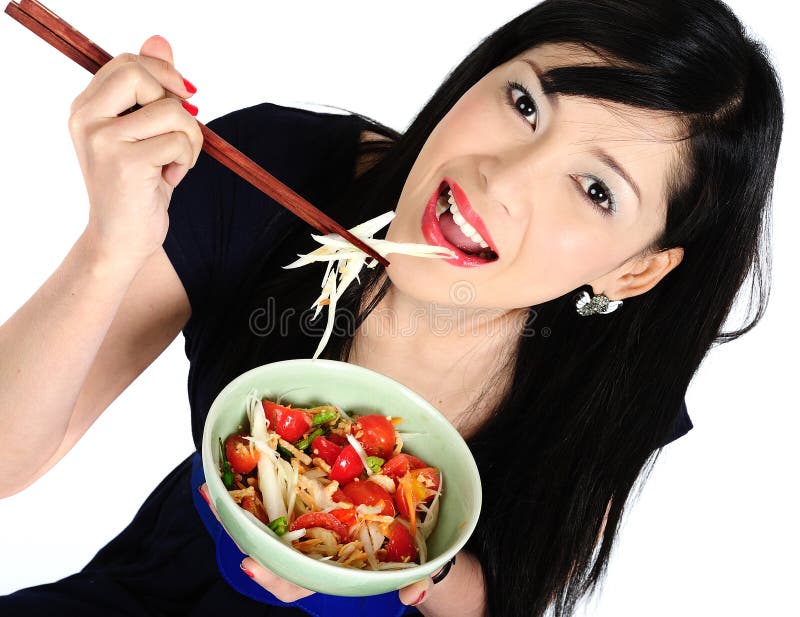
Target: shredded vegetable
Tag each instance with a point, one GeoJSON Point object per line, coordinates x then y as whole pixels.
{"type": "Point", "coordinates": [361, 453]}
{"type": "Point", "coordinates": [346, 260]}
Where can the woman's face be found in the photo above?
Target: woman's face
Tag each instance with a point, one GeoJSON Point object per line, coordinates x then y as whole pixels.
{"type": "Point", "coordinates": [540, 189]}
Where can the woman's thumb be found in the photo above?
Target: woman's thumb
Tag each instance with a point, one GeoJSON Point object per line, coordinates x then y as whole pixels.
{"type": "Point", "coordinates": [416, 592]}
{"type": "Point", "coordinates": [157, 47]}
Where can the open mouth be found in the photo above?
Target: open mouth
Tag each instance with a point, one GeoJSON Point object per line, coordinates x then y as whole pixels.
{"type": "Point", "coordinates": [450, 221]}
{"type": "Point", "coordinates": [457, 231]}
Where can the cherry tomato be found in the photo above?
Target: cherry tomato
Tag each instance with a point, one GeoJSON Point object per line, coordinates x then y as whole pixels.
{"type": "Point", "coordinates": [289, 423]}
{"type": "Point", "coordinates": [256, 508]}
{"type": "Point", "coordinates": [378, 435]}
{"type": "Point", "coordinates": [371, 494]}
{"type": "Point", "coordinates": [320, 519]}
{"type": "Point", "coordinates": [400, 464]}
{"type": "Point", "coordinates": [325, 449]}
{"type": "Point", "coordinates": [339, 440]}
{"type": "Point", "coordinates": [346, 516]}
{"type": "Point", "coordinates": [239, 455]}
{"type": "Point", "coordinates": [347, 466]}
{"type": "Point", "coordinates": [339, 496]}
{"type": "Point", "coordinates": [401, 544]}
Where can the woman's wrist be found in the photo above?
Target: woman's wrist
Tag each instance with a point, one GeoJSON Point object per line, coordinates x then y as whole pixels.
{"type": "Point", "coordinates": [461, 592]}
{"type": "Point", "coordinates": [104, 264]}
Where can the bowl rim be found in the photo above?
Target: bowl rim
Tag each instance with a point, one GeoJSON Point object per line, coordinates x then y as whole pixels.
{"type": "Point", "coordinates": [355, 574]}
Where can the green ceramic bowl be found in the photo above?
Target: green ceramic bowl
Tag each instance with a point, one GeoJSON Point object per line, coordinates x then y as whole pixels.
{"type": "Point", "coordinates": [358, 390]}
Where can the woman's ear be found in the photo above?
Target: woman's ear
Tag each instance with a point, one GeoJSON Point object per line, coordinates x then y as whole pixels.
{"type": "Point", "coordinates": [639, 275]}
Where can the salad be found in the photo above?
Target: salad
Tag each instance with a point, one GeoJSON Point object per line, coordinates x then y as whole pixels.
{"type": "Point", "coordinates": [334, 486]}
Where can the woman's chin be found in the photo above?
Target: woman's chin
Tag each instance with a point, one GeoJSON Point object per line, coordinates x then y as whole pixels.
{"type": "Point", "coordinates": [415, 281]}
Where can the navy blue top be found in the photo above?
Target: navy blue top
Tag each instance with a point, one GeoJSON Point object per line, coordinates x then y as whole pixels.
{"type": "Point", "coordinates": [170, 560]}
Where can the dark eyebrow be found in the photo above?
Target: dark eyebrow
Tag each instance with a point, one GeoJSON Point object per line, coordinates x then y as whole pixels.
{"type": "Point", "coordinates": [612, 163]}
{"type": "Point", "coordinates": [552, 97]}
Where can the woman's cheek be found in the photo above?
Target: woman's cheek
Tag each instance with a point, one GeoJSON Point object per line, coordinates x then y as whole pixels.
{"type": "Point", "coordinates": [552, 265]}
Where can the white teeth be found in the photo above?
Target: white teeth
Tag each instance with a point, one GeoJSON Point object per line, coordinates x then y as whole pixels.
{"type": "Point", "coordinates": [467, 229]}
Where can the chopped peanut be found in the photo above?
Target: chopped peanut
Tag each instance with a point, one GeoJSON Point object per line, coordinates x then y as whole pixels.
{"type": "Point", "coordinates": [321, 464]}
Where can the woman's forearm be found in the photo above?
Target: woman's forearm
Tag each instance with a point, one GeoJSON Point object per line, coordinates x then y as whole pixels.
{"type": "Point", "coordinates": [46, 350]}
{"type": "Point", "coordinates": [461, 593]}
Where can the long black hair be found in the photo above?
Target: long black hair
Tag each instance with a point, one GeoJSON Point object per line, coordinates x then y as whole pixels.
{"type": "Point", "coordinates": [590, 405]}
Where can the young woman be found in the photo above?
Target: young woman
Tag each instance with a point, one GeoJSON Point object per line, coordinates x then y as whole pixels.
{"type": "Point", "coordinates": [622, 149]}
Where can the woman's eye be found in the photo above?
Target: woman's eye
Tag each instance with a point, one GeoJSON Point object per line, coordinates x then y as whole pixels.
{"type": "Point", "coordinates": [597, 193]}
{"type": "Point", "coordinates": [521, 100]}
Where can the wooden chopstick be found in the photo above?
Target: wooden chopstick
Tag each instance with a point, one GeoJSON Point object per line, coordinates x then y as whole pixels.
{"type": "Point", "coordinates": [47, 25]}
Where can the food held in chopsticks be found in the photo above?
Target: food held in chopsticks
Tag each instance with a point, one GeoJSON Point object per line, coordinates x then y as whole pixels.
{"type": "Point", "coordinates": [346, 260]}
{"type": "Point", "coordinates": [336, 487]}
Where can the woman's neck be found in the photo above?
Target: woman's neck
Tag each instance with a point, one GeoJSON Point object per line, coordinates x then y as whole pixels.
{"type": "Point", "coordinates": [452, 356]}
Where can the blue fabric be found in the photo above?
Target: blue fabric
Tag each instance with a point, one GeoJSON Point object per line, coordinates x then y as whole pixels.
{"type": "Point", "coordinates": [318, 604]}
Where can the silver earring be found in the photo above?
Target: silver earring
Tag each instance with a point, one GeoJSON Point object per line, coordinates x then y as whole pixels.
{"type": "Point", "coordinates": [598, 304]}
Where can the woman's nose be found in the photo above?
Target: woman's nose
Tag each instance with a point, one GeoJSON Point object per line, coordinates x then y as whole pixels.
{"type": "Point", "coordinates": [509, 179]}
{"type": "Point", "coordinates": [488, 196]}
{"type": "Point", "coordinates": [505, 183]}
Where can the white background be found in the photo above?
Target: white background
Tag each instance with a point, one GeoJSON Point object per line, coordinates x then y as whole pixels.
{"type": "Point", "coordinates": [715, 530]}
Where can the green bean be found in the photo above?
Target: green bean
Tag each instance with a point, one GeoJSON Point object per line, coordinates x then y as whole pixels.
{"type": "Point", "coordinates": [375, 463]}
{"type": "Point", "coordinates": [279, 525]}
{"type": "Point", "coordinates": [306, 441]}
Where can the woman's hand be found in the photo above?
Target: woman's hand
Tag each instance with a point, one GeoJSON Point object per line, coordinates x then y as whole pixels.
{"type": "Point", "coordinates": [132, 163]}
{"type": "Point", "coordinates": [289, 592]}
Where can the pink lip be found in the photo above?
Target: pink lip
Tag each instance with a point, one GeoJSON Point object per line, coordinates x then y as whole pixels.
{"type": "Point", "coordinates": [469, 214]}
{"type": "Point", "coordinates": [433, 233]}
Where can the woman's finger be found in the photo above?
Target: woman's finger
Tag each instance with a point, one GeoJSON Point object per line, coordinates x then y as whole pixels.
{"type": "Point", "coordinates": [207, 497]}
{"type": "Point", "coordinates": [277, 586]}
{"type": "Point", "coordinates": [416, 592]}
{"type": "Point", "coordinates": [204, 492]}
{"type": "Point", "coordinates": [129, 84]}
{"type": "Point", "coordinates": [165, 120]}
{"type": "Point", "coordinates": [170, 80]}
{"type": "Point", "coordinates": [157, 47]}
{"type": "Point", "coordinates": [170, 77]}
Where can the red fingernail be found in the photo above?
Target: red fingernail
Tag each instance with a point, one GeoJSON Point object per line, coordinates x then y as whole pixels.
{"type": "Point", "coordinates": [246, 571]}
{"type": "Point", "coordinates": [418, 600]}
{"type": "Point", "coordinates": [189, 107]}
{"type": "Point", "coordinates": [200, 490]}
{"type": "Point", "coordinates": [189, 86]}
